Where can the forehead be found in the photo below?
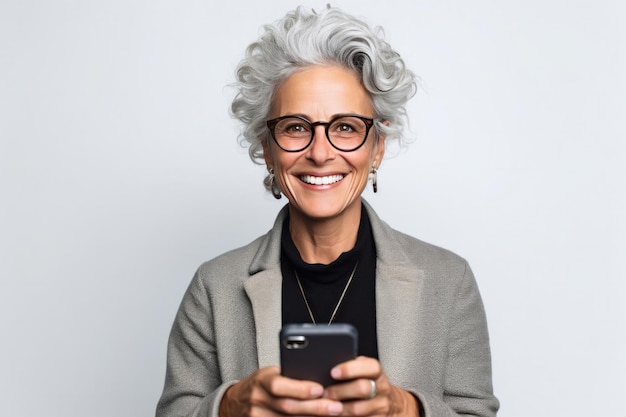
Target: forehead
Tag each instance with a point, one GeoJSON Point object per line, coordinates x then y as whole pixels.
{"type": "Point", "coordinates": [320, 92]}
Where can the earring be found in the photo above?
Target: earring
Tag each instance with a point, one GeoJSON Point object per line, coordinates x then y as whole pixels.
{"type": "Point", "coordinates": [374, 178]}
{"type": "Point", "coordinates": [271, 179]}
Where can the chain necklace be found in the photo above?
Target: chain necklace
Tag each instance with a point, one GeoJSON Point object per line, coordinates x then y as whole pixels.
{"type": "Point", "coordinates": [343, 293]}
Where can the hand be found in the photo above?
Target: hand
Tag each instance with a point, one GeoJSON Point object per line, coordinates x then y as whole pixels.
{"type": "Point", "coordinates": [266, 393]}
{"type": "Point", "coordinates": [362, 398]}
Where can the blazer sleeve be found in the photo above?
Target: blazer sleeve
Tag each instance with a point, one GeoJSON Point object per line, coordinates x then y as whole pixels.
{"type": "Point", "coordinates": [193, 385]}
{"type": "Point", "coordinates": [467, 386]}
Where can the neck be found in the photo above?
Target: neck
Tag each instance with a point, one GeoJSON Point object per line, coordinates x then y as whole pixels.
{"type": "Point", "coordinates": [323, 240]}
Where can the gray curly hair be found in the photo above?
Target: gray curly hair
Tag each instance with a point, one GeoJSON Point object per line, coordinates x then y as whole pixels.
{"type": "Point", "coordinates": [305, 38]}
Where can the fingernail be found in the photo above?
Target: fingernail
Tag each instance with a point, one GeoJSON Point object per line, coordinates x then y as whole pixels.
{"type": "Point", "coordinates": [335, 373]}
{"type": "Point", "coordinates": [317, 391]}
{"type": "Point", "coordinates": [334, 409]}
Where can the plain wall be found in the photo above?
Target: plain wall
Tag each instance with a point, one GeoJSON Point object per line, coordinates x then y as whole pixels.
{"type": "Point", "coordinates": [120, 173]}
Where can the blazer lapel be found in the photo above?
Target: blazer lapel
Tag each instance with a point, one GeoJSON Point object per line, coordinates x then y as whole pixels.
{"type": "Point", "coordinates": [398, 287]}
{"type": "Point", "coordinates": [396, 307]}
{"type": "Point", "coordinates": [264, 290]}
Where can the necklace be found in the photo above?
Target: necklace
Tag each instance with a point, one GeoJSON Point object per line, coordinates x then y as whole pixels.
{"type": "Point", "coordinates": [343, 293]}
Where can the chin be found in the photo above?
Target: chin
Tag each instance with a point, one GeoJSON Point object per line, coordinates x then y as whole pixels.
{"type": "Point", "coordinates": [324, 210]}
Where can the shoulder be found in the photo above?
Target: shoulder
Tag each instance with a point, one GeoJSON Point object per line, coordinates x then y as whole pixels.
{"type": "Point", "coordinates": [440, 269]}
{"type": "Point", "coordinates": [220, 280]}
{"type": "Point", "coordinates": [441, 275]}
{"type": "Point", "coordinates": [230, 266]}
{"type": "Point", "coordinates": [395, 247]}
{"type": "Point", "coordinates": [426, 252]}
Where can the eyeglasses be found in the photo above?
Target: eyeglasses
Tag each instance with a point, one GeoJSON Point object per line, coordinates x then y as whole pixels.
{"type": "Point", "coordinates": [346, 132]}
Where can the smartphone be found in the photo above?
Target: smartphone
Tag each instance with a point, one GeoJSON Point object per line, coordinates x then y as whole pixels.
{"type": "Point", "coordinates": [310, 351]}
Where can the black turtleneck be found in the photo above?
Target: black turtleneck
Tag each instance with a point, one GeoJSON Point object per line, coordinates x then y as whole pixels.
{"type": "Point", "coordinates": [323, 285]}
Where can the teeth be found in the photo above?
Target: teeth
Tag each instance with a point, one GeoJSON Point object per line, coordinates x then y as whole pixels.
{"type": "Point", "coordinates": [331, 179]}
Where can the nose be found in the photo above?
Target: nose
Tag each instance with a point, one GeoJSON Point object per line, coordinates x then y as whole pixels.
{"type": "Point", "coordinates": [320, 150]}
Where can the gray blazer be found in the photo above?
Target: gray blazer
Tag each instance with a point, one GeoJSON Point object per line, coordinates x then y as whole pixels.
{"type": "Point", "coordinates": [432, 332]}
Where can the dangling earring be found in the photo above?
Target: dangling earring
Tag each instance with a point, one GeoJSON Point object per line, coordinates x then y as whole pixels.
{"type": "Point", "coordinates": [271, 179]}
{"type": "Point", "coordinates": [374, 178]}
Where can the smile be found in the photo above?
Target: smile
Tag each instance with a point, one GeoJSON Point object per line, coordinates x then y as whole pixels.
{"type": "Point", "coordinates": [331, 179]}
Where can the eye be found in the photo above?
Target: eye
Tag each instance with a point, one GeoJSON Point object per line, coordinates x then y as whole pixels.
{"type": "Point", "coordinates": [296, 128]}
{"type": "Point", "coordinates": [293, 127]}
{"type": "Point", "coordinates": [345, 128]}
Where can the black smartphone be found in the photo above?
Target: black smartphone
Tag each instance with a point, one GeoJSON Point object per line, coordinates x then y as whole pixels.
{"type": "Point", "coordinates": [310, 351]}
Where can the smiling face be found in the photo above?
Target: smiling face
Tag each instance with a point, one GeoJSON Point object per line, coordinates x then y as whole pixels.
{"type": "Point", "coordinates": [322, 182]}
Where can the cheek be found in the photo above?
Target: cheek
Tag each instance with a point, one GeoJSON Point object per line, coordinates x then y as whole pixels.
{"type": "Point", "coordinates": [284, 161]}
{"type": "Point", "coordinates": [367, 160]}
{"type": "Point", "coordinates": [275, 157]}
{"type": "Point", "coordinates": [283, 165]}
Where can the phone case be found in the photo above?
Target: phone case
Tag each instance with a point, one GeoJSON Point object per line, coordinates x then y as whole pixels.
{"type": "Point", "coordinates": [309, 351]}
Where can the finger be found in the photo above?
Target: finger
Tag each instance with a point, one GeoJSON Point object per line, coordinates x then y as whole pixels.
{"type": "Point", "coordinates": [280, 386]}
{"type": "Point", "coordinates": [280, 395]}
{"type": "Point", "coordinates": [357, 389]}
{"type": "Point", "coordinates": [361, 367]}
{"type": "Point", "coordinates": [316, 407]}
{"type": "Point", "coordinates": [379, 405]}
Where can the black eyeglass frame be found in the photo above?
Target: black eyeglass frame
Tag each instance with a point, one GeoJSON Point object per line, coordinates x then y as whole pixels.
{"type": "Point", "coordinates": [369, 122]}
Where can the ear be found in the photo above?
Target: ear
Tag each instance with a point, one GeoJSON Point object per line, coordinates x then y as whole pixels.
{"type": "Point", "coordinates": [379, 150]}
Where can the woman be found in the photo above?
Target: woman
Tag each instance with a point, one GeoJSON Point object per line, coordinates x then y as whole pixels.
{"type": "Point", "coordinates": [319, 95]}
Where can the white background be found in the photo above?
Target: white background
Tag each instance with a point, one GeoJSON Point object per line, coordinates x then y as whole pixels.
{"type": "Point", "coordinates": [120, 173]}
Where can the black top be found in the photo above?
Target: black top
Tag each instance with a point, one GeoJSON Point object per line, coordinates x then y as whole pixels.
{"type": "Point", "coordinates": [323, 285]}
